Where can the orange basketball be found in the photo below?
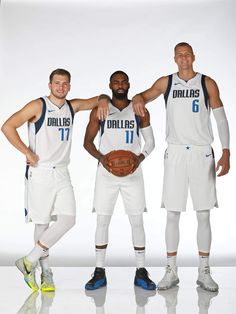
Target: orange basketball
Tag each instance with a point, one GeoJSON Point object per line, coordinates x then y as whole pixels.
{"type": "Point", "coordinates": [121, 162]}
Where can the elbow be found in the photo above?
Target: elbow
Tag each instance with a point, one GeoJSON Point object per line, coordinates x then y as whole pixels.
{"type": "Point", "coordinates": [4, 128]}
{"type": "Point", "coordinates": [85, 145]}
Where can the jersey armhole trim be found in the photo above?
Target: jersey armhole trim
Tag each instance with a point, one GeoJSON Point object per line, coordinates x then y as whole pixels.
{"type": "Point", "coordinates": [39, 123]}
{"type": "Point", "coordinates": [71, 110]}
{"type": "Point", "coordinates": [205, 92]}
{"type": "Point", "coordinates": [166, 95]}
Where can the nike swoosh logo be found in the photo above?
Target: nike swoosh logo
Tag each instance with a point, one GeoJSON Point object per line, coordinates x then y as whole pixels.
{"type": "Point", "coordinates": [177, 83]}
{"type": "Point", "coordinates": [207, 155]}
{"type": "Point", "coordinates": [110, 114]}
{"type": "Point", "coordinates": [50, 110]}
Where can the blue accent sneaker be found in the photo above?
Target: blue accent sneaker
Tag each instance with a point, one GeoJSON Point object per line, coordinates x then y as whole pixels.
{"type": "Point", "coordinates": [142, 280]}
{"type": "Point", "coordinates": [98, 280]}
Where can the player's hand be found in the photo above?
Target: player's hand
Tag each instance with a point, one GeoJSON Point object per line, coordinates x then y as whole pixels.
{"type": "Point", "coordinates": [223, 164]}
{"type": "Point", "coordinates": [138, 105]}
{"type": "Point", "coordinates": [103, 160]}
{"type": "Point", "coordinates": [137, 160]}
{"type": "Point", "coordinates": [103, 108]}
{"type": "Point", "coordinates": [32, 159]}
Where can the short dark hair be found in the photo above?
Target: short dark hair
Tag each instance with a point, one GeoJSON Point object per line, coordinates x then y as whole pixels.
{"type": "Point", "coordinates": [119, 72]}
{"type": "Point", "coordinates": [59, 72]}
{"type": "Point", "coordinates": [181, 44]}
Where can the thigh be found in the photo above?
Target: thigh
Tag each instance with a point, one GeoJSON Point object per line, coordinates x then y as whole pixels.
{"type": "Point", "coordinates": [105, 192]}
{"type": "Point", "coordinates": [133, 193]}
{"type": "Point", "coordinates": [39, 195]}
{"type": "Point", "coordinates": [175, 181]}
{"type": "Point", "coordinates": [202, 179]}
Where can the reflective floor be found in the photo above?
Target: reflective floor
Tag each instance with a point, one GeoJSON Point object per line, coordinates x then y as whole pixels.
{"type": "Point", "coordinates": [120, 296]}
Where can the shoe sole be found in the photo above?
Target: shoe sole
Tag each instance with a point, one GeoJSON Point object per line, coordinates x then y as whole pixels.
{"type": "Point", "coordinates": [174, 283]}
{"type": "Point", "coordinates": [201, 284]}
{"type": "Point", "coordinates": [47, 289]}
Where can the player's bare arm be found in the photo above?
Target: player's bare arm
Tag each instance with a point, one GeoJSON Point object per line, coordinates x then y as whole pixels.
{"type": "Point", "coordinates": [90, 103]}
{"type": "Point", "coordinates": [30, 112]}
{"type": "Point", "coordinates": [90, 134]}
{"type": "Point", "coordinates": [103, 106]}
{"type": "Point", "coordinates": [217, 106]}
{"type": "Point", "coordinates": [84, 104]}
{"type": "Point", "coordinates": [140, 100]}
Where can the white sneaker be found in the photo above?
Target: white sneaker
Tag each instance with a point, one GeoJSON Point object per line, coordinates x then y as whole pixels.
{"type": "Point", "coordinates": [205, 280]}
{"type": "Point", "coordinates": [169, 280]}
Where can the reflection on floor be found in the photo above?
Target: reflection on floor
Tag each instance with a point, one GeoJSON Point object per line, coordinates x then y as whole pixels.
{"type": "Point", "coordinates": [120, 295]}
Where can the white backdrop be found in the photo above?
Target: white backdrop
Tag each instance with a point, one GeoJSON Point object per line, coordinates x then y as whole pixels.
{"type": "Point", "coordinates": [92, 39]}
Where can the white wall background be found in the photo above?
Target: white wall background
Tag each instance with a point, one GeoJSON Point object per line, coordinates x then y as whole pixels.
{"type": "Point", "coordinates": [92, 39]}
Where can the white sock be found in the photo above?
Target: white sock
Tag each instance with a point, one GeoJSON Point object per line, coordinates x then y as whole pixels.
{"type": "Point", "coordinates": [140, 258]}
{"type": "Point", "coordinates": [171, 261]}
{"type": "Point", "coordinates": [44, 263]}
{"type": "Point", "coordinates": [35, 254]}
{"type": "Point", "coordinates": [100, 257]}
{"type": "Point", "coordinates": [203, 261]}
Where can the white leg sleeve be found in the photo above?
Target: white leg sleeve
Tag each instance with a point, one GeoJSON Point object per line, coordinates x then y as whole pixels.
{"type": "Point", "coordinates": [101, 235]}
{"type": "Point", "coordinates": [203, 231]}
{"type": "Point", "coordinates": [172, 231]}
{"type": "Point", "coordinates": [138, 234]}
{"type": "Point", "coordinates": [38, 231]}
{"type": "Point", "coordinates": [57, 230]}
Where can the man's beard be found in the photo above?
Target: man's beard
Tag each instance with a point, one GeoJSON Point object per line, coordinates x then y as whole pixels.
{"type": "Point", "coordinates": [120, 96]}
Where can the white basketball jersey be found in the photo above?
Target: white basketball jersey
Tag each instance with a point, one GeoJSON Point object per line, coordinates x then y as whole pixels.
{"type": "Point", "coordinates": [187, 111]}
{"type": "Point", "coordinates": [50, 137]}
{"type": "Point", "coordinates": [120, 130]}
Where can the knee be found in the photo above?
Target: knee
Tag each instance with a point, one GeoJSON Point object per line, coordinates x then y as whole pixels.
{"type": "Point", "coordinates": [173, 217]}
{"type": "Point", "coordinates": [136, 221]}
{"type": "Point", "coordinates": [203, 217]}
{"type": "Point", "coordinates": [103, 221]}
{"type": "Point", "coordinates": [68, 222]}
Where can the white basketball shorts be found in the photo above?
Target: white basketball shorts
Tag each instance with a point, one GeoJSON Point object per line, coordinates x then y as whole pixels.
{"type": "Point", "coordinates": [192, 167]}
{"type": "Point", "coordinates": [108, 186]}
{"type": "Point", "coordinates": [48, 193]}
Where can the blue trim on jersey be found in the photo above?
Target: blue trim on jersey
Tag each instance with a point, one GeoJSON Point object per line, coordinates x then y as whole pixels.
{"type": "Point", "coordinates": [205, 92]}
{"type": "Point", "coordinates": [39, 123]}
{"type": "Point", "coordinates": [71, 110]}
{"type": "Point", "coordinates": [167, 92]}
{"type": "Point", "coordinates": [27, 172]}
{"type": "Point", "coordinates": [213, 154]}
{"type": "Point", "coordinates": [102, 126]}
{"type": "Point", "coordinates": [138, 122]}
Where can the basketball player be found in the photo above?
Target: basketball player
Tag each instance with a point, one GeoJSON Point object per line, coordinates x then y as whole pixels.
{"type": "Point", "coordinates": [49, 193]}
{"type": "Point", "coordinates": [121, 130]}
{"type": "Point", "coordinates": [189, 161]}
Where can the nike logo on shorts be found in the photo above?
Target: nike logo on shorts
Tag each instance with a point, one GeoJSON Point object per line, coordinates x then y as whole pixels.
{"type": "Point", "coordinates": [207, 155]}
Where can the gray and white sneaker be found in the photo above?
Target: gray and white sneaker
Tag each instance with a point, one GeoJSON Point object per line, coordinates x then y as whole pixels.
{"type": "Point", "coordinates": [47, 283]}
{"type": "Point", "coordinates": [205, 280]}
{"type": "Point", "coordinates": [28, 270]}
{"type": "Point", "coordinates": [170, 278]}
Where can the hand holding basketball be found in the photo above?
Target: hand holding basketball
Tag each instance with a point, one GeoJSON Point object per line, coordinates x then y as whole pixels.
{"type": "Point", "coordinates": [121, 162]}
